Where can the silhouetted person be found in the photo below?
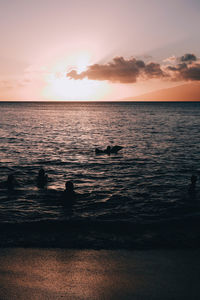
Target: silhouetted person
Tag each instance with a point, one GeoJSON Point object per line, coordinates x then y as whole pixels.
{"type": "Point", "coordinates": [192, 186]}
{"type": "Point", "coordinates": [69, 195]}
{"type": "Point", "coordinates": [42, 178]}
{"type": "Point", "coordinates": [108, 150]}
{"type": "Point", "coordinates": [69, 188]}
{"type": "Point", "coordinates": [11, 182]}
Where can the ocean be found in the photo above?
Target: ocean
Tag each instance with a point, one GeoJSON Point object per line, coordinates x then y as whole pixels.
{"type": "Point", "coordinates": [120, 196]}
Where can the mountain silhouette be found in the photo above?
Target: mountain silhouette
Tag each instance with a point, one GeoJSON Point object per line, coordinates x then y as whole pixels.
{"type": "Point", "coordinates": [185, 92]}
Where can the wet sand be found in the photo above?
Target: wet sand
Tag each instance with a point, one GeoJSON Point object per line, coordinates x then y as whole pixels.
{"type": "Point", "coordinates": [99, 274]}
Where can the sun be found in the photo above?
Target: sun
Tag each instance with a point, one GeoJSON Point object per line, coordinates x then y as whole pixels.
{"type": "Point", "coordinates": [59, 87]}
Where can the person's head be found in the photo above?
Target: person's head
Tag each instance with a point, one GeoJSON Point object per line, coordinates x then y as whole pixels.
{"type": "Point", "coordinates": [193, 179]}
{"type": "Point", "coordinates": [41, 172]}
{"type": "Point", "coordinates": [69, 186]}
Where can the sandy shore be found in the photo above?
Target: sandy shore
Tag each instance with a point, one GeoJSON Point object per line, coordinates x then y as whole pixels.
{"type": "Point", "coordinates": [103, 274]}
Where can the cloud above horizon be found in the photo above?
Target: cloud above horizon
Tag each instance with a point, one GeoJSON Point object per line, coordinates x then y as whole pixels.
{"type": "Point", "coordinates": [186, 68]}
{"type": "Point", "coordinates": [188, 57]}
{"type": "Point", "coordinates": [121, 70]}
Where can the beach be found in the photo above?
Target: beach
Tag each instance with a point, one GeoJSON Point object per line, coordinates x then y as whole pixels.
{"type": "Point", "coordinates": [133, 231]}
{"type": "Point", "coordinates": [99, 274]}
{"type": "Point", "coordinates": [100, 150]}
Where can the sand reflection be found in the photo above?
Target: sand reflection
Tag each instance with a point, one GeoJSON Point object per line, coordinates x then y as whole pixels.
{"type": "Point", "coordinates": [89, 274]}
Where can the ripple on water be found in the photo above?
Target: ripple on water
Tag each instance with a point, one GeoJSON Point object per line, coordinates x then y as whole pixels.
{"type": "Point", "coordinates": [147, 180]}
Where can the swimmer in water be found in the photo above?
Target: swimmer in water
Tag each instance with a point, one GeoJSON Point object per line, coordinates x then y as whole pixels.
{"type": "Point", "coordinates": [108, 150]}
{"type": "Point", "coordinates": [42, 178]}
{"type": "Point", "coordinates": [11, 182]}
{"type": "Point", "coordinates": [192, 186]}
{"type": "Point", "coordinates": [69, 194]}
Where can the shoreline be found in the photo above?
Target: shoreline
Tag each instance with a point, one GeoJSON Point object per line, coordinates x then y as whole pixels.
{"type": "Point", "coordinates": [180, 234]}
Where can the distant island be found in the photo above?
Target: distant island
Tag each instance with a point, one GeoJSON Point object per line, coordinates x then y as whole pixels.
{"type": "Point", "coordinates": [185, 92]}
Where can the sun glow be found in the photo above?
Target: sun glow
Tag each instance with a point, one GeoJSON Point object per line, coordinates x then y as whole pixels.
{"type": "Point", "coordinates": [59, 87]}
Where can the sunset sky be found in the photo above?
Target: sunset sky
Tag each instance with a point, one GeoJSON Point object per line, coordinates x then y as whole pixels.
{"type": "Point", "coordinates": [96, 50]}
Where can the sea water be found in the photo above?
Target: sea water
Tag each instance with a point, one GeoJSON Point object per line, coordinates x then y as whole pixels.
{"type": "Point", "coordinates": [147, 181]}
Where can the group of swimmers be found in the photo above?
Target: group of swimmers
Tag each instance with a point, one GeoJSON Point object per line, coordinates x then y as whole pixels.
{"type": "Point", "coordinates": [41, 181]}
{"type": "Point", "coordinates": [69, 193]}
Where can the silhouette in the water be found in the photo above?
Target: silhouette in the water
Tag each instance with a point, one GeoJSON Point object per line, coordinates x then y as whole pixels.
{"type": "Point", "coordinates": [192, 186]}
{"type": "Point", "coordinates": [109, 150]}
{"type": "Point", "coordinates": [10, 184]}
{"type": "Point", "coordinates": [42, 178]}
{"type": "Point", "coordinates": [69, 195]}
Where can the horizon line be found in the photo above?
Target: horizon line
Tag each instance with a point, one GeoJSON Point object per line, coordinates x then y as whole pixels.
{"type": "Point", "coordinates": [98, 101]}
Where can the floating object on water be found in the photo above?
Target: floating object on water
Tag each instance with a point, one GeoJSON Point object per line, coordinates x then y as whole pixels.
{"type": "Point", "coordinates": [115, 149]}
{"type": "Point", "coordinates": [109, 150]}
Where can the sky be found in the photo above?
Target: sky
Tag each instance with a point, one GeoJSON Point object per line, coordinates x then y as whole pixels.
{"type": "Point", "coordinates": [96, 50]}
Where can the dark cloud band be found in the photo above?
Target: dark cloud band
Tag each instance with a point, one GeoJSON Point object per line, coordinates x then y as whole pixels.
{"type": "Point", "coordinates": [119, 70]}
{"type": "Point", "coordinates": [130, 70]}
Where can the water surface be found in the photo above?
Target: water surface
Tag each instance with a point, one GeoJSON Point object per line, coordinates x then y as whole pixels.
{"type": "Point", "coordinates": [145, 182]}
